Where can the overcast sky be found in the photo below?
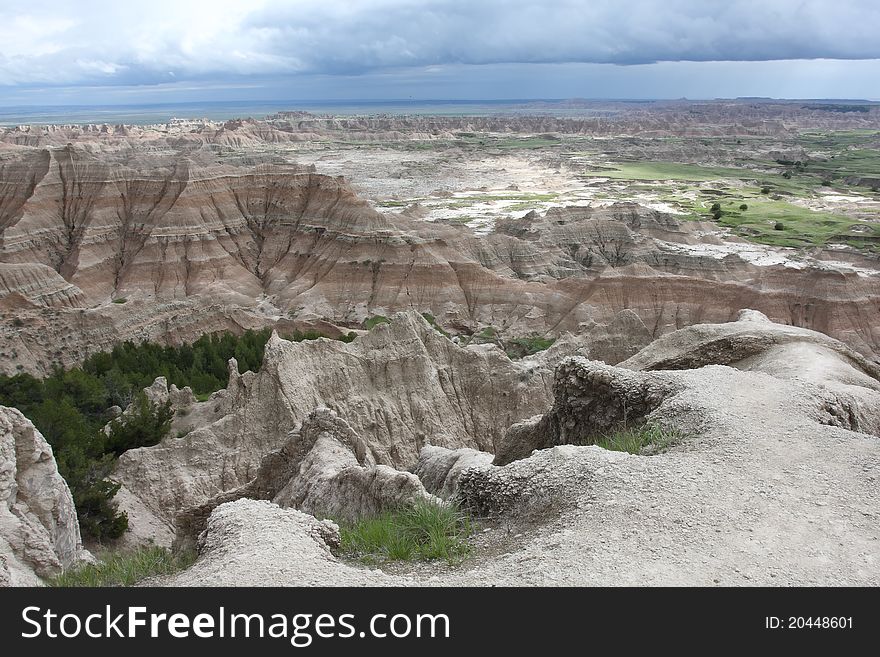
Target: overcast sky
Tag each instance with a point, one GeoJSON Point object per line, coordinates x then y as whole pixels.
{"type": "Point", "coordinates": [131, 51]}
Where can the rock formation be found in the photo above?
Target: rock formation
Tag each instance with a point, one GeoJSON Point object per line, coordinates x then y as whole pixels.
{"type": "Point", "coordinates": [400, 387]}
{"type": "Point", "coordinates": [768, 468]}
{"type": "Point", "coordinates": [99, 247]}
{"type": "Point", "coordinates": [324, 469]}
{"type": "Point", "coordinates": [39, 531]}
{"type": "Point", "coordinates": [592, 398]}
{"type": "Point", "coordinates": [240, 535]}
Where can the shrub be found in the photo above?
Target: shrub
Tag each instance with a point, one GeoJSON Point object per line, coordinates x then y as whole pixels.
{"type": "Point", "coordinates": [765, 190]}
{"type": "Point", "coordinates": [779, 226]}
{"type": "Point", "coordinates": [743, 207]}
{"type": "Point", "coordinates": [120, 300]}
{"type": "Point", "coordinates": [424, 531]}
{"type": "Point", "coordinates": [126, 568]}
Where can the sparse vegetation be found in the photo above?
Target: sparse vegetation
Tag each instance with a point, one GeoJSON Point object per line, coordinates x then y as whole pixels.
{"type": "Point", "coordinates": [433, 322]}
{"type": "Point", "coordinates": [120, 300]}
{"type": "Point", "coordinates": [522, 347]}
{"type": "Point", "coordinates": [644, 440]}
{"type": "Point", "coordinates": [425, 531]}
{"type": "Point", "coordinates": [375, 320]}
{"type": "Point", "coordinates": [301, 336]}
{"type": "Point", "coordinates": [125, 568]}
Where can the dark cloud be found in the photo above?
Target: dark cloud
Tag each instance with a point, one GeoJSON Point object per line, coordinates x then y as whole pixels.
{"type": "Point", "coordinates": [163, 42]}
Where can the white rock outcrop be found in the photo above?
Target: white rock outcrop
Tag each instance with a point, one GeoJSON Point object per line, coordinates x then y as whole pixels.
{"type": "Point", "coordinates": [399, 388]}
{"type": "Point", "coordinates": [257, 543]}
{"type": "Point", "coordinates": [324, 469]}
{"type": "Point", "coordinates": [39, 531]}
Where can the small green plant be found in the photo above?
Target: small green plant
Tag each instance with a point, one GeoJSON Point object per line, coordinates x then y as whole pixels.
{"type": "Point", "coordinates": [18, 322]}
{"type": "Point", "coordinates": [375, 320]}
{"type": "Point", "coordinates": [487, 333]}
{"type": "Point", "coordinates": [433, 322]}
{"type": "Point", "coordinates": [765, 190]}
{"type": "Point", "coordinates": [348, 337]}
{"type": "Point", "coordinates": [126, 568]}
{"type": "Point", "coordinates": [120, 300]}
{"type": "Point", "coordinates": [425, 531]}
{"type": "Point", "coordinates": [779, 226]}
{"type": "Point", "coordinates": [743, 207]}
{"type": "Point", "coordinates": [646, 439]}
{"type": "Point", "coordinates": [522, 347]}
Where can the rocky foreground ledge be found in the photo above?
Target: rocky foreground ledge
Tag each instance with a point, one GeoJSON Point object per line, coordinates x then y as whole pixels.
{"type": "Point", "coordinates": [775, 483]}
{"type": "Point", "coordinates": [774, 480]}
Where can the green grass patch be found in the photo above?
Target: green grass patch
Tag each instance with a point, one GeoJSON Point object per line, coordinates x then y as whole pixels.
{"type": "Point", "coordinates": [120, 300]}
{"type": "Point", "coordinates": [375, 320]}
{"type": "Point", "coordinates": [433, 322]}
{"type": "Point", "coordinates": [302, 336]}
{"type": "Point", "coordinates": [424, 531]}
{"type": "Point", "coordinates": [522, 347]}
{"type": "Point", "coordinates": [125, 568]}
{"type": "Point", "coordinates": [646, 439]}
{"type": "Point", "coordinates": [801, 227]}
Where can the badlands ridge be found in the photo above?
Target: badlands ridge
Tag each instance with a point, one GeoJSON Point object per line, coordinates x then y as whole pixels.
{"type": "Point", "coordinates": [763, 361]}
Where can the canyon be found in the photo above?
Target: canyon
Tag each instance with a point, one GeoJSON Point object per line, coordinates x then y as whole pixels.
{"type": "Point", "coordinates": [711, 269]}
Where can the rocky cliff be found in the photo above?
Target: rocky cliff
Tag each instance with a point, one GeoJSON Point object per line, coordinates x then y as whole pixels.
{"type": "Point", "coordinates": [98, 248]}
{"type": "Point", "coordinates": [774, 463]}
{"type": "Point", "coordinates": [39, 531]}
{"type": "Point", "coordinates": [399, 387]}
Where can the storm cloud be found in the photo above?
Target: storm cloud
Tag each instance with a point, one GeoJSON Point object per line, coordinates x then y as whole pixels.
{"type": "Point", "coordinates": [64, 42]}
{"type": "Point", "coordinates": [164, 42]}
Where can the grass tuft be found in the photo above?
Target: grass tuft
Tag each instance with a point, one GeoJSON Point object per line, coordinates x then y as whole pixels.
{"type": "Point", "coordinates": [425, 531]}
{"type": "Point", "coordinates": [125, 568]}
{"type": "Point", "coordinates": [375, 320]}
{"type": "Point", "coordinates": [645, 440]}
{"type": "Point", "coordinates": [522, 347]}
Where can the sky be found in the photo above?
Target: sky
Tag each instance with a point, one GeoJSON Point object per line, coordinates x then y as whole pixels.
{"type": "Point", "coordinates": [130, 52]}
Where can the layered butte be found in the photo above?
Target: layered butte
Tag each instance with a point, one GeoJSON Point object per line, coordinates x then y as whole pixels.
{"type": "Point", "coordinates": [185, 245]}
